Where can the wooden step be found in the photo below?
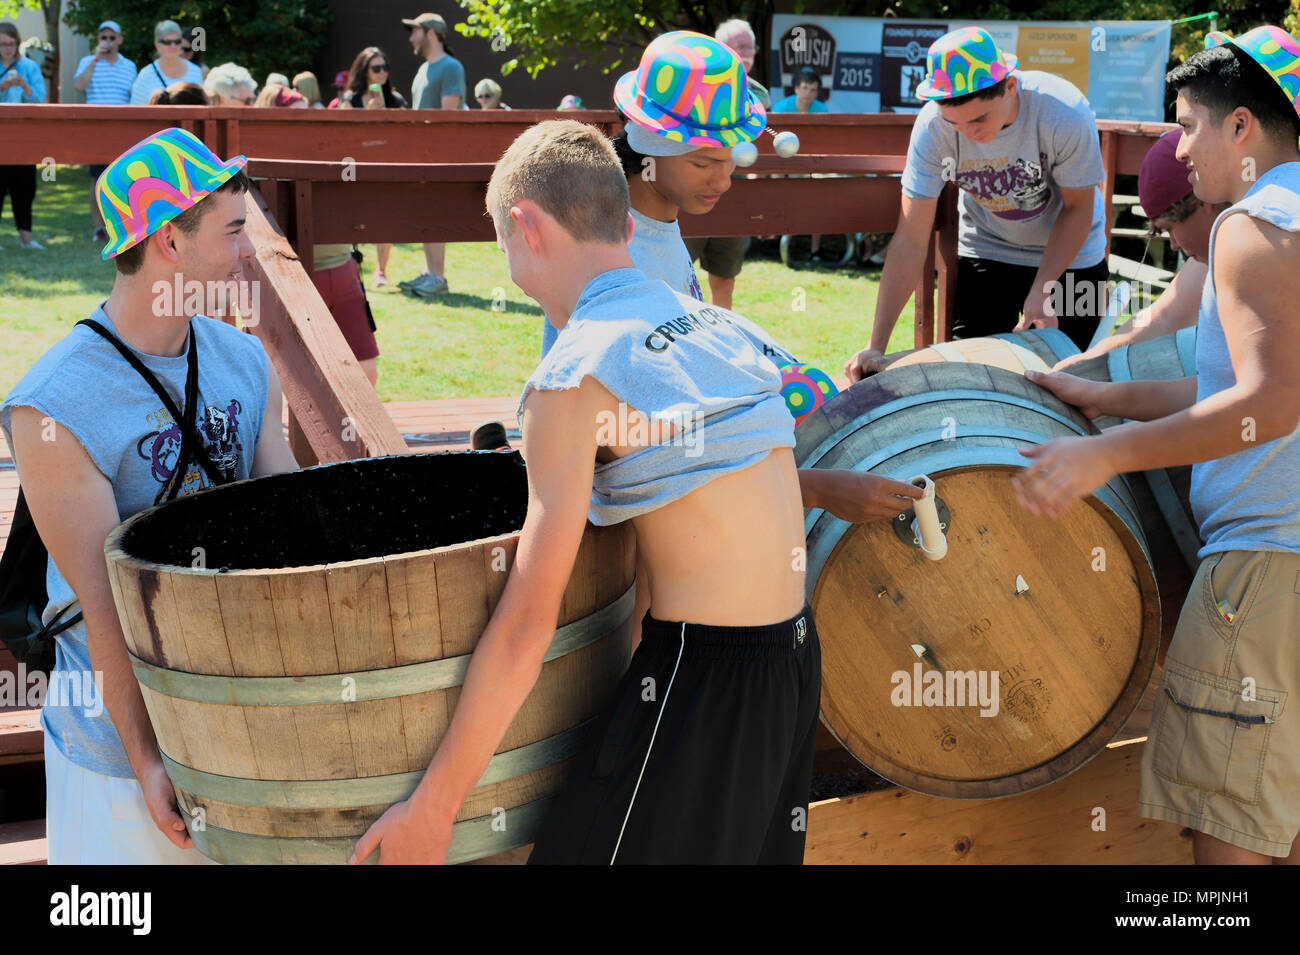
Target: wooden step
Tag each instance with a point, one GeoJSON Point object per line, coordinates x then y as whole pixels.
{"type": "Point", "coordinates": [23, 843]}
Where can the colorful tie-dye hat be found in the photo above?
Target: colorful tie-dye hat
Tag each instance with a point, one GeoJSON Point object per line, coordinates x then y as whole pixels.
{"type": "Point", "coordinates": [1274, 49]}
{"type": "Point", "coordinates": [155, 181]}
{"type": "Point", "coordinates": [571, 102]}
{"type": "Point", "coordinates": [962, 62]}
{"type": "Point", "coordinates": [691, 89]}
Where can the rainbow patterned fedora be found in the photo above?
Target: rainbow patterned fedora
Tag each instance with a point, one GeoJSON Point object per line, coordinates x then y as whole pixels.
{"type": "Point", "coordinates": [961, 62]}
{"type": "Point", "coordinates": [1272, 48]}
{"type": "Point", "coordinates": [155, 181]}
{"type": "Point", "coordinates": [691, 89]}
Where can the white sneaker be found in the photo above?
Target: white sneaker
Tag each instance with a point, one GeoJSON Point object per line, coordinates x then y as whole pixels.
{"type": "Point", "coordinates": [33, 244]}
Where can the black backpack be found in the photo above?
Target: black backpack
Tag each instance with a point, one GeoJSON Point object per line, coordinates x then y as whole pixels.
{"type": "Point", "coordinates": [23, 565]}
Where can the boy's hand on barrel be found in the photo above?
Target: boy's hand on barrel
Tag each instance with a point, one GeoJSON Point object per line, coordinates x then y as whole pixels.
{"type": "Point", "coordinates": [1083, 394]}
{"type": "Point", "coordinates": [1064, 471]}
{"type": "Point", "coordinates": [404, 835]}
{"type": "Point", "coordinates": [1037, 314]}
{"type": "Point", "coordinates": [858, 496]}
{"type": "Point", "coordinates": [863, 365]}
{"type": "Point", "coordinates": [160, 798]}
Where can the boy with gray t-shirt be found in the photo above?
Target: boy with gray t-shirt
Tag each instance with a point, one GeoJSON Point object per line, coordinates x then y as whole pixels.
{"type": "Point", "coordinates": [1022, 148]}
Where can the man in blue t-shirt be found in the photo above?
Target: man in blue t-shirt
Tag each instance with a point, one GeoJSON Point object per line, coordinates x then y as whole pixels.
{"type": "Point", "coordinates": [439, 84]}
{"type": "Point", "coordinates": [806, 97]}
{"type": "Point", "coordinates": [94, 444]}
{"type": "Point", "coordinates": [106, 77]}
{"type": "Point", "coordinates": [1223, 756]}
{"type": "Point", "coordinates": [1022, 149]}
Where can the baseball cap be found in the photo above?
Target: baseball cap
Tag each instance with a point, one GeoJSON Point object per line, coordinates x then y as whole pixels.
{"type": "Point", "coordinates": [112, 25]}
{"type": "Point", "coordinates": [341, 78]}
{"type": "Point", "coordinates": [155, 181]}
{"type": "Point", "coordinates": [1274, 49]}
{"type": "Point", "coordinates": [428, 21]}
{"type": "Point", "coordinates": [1163, 179]}
{"type": "Point", "coordinates": [692, 90]}
{"type": "Point", "coordinates": [962, 62]}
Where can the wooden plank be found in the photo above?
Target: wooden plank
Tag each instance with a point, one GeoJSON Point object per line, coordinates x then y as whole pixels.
{"type": "Point", "coordinates": [20, 731]}
{"type": "Point", "coordinates": [945, 250]}
{"type": "Point", "coordinates": [1052, 826]}
{"type": "Point", "coordinates": [1110, 161]}
{"type": "Point", "coordinates": [451, 211]}
{"type": "Point", "coordinates": [923, 304]}
{"type": "Point", "coordinates": [23, 843]}
{"type": "Point", "coordinates": [303, 242]}
{"type": "Point", "coordinates": [326, 389]}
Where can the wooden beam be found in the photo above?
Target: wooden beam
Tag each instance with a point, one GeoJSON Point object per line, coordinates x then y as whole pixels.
{"type": "Point", "coordinates": [1110, 162]}
{"type": "Point", "coordinates": [945, 250]}
{"type": "Point", "coordinates": [1052, 825]}
{"type": "Point", "coordinates": [328, 393]}
{"type": "Point", "coordinates": [452, 209]}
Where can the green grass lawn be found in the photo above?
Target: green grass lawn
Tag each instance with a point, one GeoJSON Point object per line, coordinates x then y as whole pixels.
{"type": "Point", "coordinates": [453, 346]}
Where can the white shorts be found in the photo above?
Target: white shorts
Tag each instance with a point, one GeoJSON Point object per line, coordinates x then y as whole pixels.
{"type": "Point", "coordinates": [93, 819]}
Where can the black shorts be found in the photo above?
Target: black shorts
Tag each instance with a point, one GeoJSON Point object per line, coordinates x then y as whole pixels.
{"type": "Point", "coordinates": [705, 755]}
{"type": "Point", "coordinates": [723, 256]}
{"type": "Point", "coordinates": [991, 295]}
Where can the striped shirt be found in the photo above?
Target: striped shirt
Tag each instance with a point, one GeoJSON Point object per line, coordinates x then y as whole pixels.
{"type": "Point", "coordinates": [146, 81]}
{"type": "Point", "coordinates": [110, 84]}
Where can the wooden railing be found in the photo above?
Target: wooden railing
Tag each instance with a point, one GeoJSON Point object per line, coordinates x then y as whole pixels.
{"type": "Point", "coordinates": [420, 176]}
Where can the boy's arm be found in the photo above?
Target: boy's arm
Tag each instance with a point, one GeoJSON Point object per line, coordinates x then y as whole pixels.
{"type": "Point", "coordinates": [1069, 232]}
{"type": "Point", "coordinates": [272, 454]}
{"type": "Point", "coordinates": [1258, 282]}
{"type": "Point", "coordinates": [1174, 309]}
{"type": "Point", "coordinates": [559, 431]}
{"type": "Point", "coordinates": [74, 510]}
{"type": "Point", "coordinates": [855, 496]}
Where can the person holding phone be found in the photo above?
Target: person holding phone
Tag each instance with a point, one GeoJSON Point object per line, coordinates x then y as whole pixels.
{"type": "Point", "coordinates": [106, 77]}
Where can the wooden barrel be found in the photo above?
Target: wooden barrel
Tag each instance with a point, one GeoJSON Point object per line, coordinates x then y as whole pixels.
{"type": "Point", "coordinates": [1065, 612]}
{"type": "Point", "coordinates": [1156, 359]}
{"type": "Point", "coordinates": [1037, 349]}
{"type": "Point", "coordinates": [300, 641]}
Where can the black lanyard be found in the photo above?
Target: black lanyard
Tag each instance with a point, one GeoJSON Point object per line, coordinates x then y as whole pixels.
{"type": "Point", "coordinates": [191, 444]}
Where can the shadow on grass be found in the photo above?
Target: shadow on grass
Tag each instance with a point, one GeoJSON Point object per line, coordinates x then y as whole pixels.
{"type": "Point", "coordinates": [463, 300]}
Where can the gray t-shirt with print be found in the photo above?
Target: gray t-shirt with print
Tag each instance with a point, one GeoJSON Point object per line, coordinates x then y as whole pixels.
{"type": "Point", "coordinates": [433, 81]}
{"type": "Point", "coordinates": [85, 385]}
{"type": "Point", "coordinates": [1010, 187]}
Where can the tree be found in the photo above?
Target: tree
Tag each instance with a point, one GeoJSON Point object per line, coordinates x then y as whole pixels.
{"type": "Point", "coordinates": [609, 34]}
{"type": "Point", "coordinates": [262, 35]}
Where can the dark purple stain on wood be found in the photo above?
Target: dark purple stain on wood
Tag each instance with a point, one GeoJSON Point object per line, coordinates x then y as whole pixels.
{"type": "Point", "coordinates": [149, 587]}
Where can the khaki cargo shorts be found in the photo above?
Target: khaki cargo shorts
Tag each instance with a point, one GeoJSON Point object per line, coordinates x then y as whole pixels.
{"type": "Point", "coordinates": [1223, 751]}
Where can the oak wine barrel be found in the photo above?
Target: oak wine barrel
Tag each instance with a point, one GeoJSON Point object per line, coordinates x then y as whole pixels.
{"type": "Point", "coordinates": [300, 641]}
{"type": "Point", "coordinates": [1065, 612]}
{"type": "Point", "coordinates": [1156, 359]}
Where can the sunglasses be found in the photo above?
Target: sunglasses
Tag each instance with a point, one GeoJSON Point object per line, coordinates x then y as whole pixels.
{"type": "Point", "coordinates": [378, 67]}
{"type": "Point", "coordinates": [485, 96]}
{"type": "Point", "coordinates": [107, 38]}
{"type": "Point", "coordinates": [169, 42]}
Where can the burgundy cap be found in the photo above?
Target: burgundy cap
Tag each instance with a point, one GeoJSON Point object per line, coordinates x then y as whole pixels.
{"type": "Point", "coordinates": [1163, 180]}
